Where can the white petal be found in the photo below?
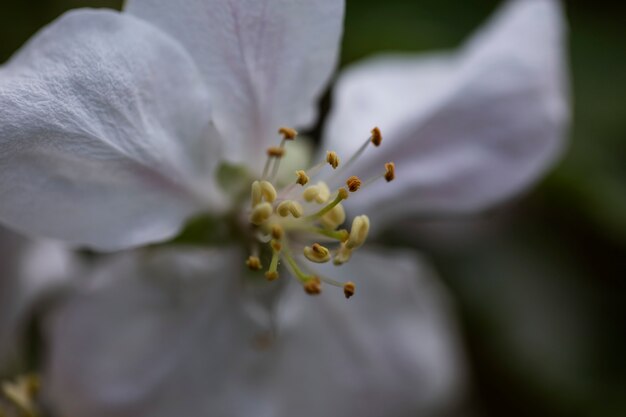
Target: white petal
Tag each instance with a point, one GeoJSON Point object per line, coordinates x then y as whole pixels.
{"type": "Point", "coordinates": [265, 61]}
{"type": "Point", "coordinates": [28, 271]}
{"type": "Point", "coordinates": [104, 127]}
{"type": "Point", "coordinates": [467, 130]}
{"type": "Point", "coordinates": [172, 334]}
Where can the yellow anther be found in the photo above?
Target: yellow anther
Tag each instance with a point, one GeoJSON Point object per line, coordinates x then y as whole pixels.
{"type": "Point", "coordinates": [334, 218]}
{"type": "Point", "coordinates": [276, 245]}
{"type": "Point", "coordinates": [319, 192]}
{"type": "Point", "coordinates": [353, 183]}
{"type": "Point", "coordinates": [288, 207]}
{"type": "Point", "coordinates": [348, 289]}
{"type": "Point", "coordinates": [390, 171]}
{"type": "Point", "coordinates": [268, 190]}
{"type": "Point", "coordinates": [277, 231]}
{"type": "Point", "coordinates": [377, 137]}
{"type": "Point", "coordinates": [275, 151]}
{"type": "Point", "coordinates": [254, 263]}
{"type": "Point", "coordinates": [257, 193]}
{"type": "Point", "coordinates": [288, 133]}
{"type": "Point", "coordinates": [313, 286]}
{"type": "Point", "coordinates": [343, 255]}
{"type": "Point", "coordinates": [359, 232]}
{"type": "Point", "coordinates": [303, 179]}
{"type": "Point", "coordinates": [271, 275]}
{"type": "Point", "coordinates": [333, 159]}
{"type": "Point", "coordinates": [317, 253]}
{"type": "Point", "coordinates": [342, 193]}
{"type": "Point", "coordinates": [260, 213]}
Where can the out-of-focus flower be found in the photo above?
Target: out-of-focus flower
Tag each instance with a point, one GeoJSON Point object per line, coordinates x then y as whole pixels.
{"type": "Point", "coordinates": [107, 129]}
{"type": "Point", "coordinates": [183, 332]}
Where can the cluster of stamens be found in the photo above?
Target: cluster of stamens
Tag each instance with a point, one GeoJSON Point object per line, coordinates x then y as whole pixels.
{"type": "Point", "coordinates": [296, 220]}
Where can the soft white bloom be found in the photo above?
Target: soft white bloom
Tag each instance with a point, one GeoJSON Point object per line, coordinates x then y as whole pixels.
{"type": "Point", "coordinates": [113, 124]}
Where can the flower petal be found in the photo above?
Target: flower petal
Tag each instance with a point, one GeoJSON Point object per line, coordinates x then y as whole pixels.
{"type": "Point", "coordinates": [28, 271]}
{"type": "Point", "coordinates": [466, 131]}
{"type": "Point", "coordinates": [266, 61]}
{"type": "Point", "coordinates": [104, 127]}
{"type": "Point", "coordinates": [171, 334]}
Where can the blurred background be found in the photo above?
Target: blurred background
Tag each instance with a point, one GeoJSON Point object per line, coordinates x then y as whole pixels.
{"type": "Point", "coordinates": [541, 283]}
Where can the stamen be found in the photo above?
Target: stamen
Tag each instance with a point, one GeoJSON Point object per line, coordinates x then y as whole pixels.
{"type": "Point", "coordinates": [349, 289]}
{"type": "Point", "coordinates": [254, 263]}
{"type": "Point", "coordinates": [268, 191]}
{"type": "Point", "coordinates": [353, 183]}
{"type": "Point", "coordinates": [317, 253]}
{"type": "Point", "coordinates": [320, 193]}
{"type": "Point", "coordinates": [333, 159]}
{"type": "Point", "coordinates": [290, 207]}
{"type": "Point", "coordinates": [358, 233]}
{"type": "Point", "coordinates": [256, 193]}
{"type": "Point", "coordinates": [334, 218]}
{"type": "Point", "coordinates": [389, 175]}
{"type": "Point", "coordinates": [277, 231]}
{"type": "Point", "coordinates": [288, 133]}
{"type": "Point", "coordinates": [341, 235]}
{"type": "Point", "coordinates": [272, 272]}
{"type": "Point", "coordinates": [342, 194]}
{"type": "Point", "coordinates": [377, 137]}
{"type": "Point", "coordinates": [302, 277]}
{"type": "Point", "coordinates": [260, 213]}
{"type": "Point", "coordinates": [390, 171]}
{"type": "Point", "coordinates": [276, 151]}
{"type": "Point", "coordinates": [313, 286]}
{"type": "Point", "coordinates": [303, 179]}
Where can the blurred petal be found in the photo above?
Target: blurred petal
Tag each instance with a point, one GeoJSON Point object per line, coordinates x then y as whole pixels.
{"type": "Point", "coordinates": [104, 126]}
{"type": "Point", "coordinates": [466, 131]}
{"type": "Point", "coordinates": [28, 271]}
{"type": "Point", "coordinates": [171, 334]}
{"type": "Point", "coordinates": [266, 62]}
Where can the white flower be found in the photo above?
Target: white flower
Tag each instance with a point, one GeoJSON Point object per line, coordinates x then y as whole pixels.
{"type": "Point", "coordinates": [113, 124]}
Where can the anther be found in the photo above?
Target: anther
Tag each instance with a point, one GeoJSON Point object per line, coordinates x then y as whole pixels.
{"type": "Point", "coordinates": [313, 286]}
{"type": "Point", "coordinates": [334, 218]}
{"type": "Point", "coordinates": [348, 289]}
{"type": "Point", "coordinates": [256, 194]}
{"type": "Point", "coordinates": [254, 263]}
{"type": "Point", "coordinates": [277, 231]}
{"type": "Point", "coordinates": [276, 245]}
{"type": "Point", "coordinates": [290, 207]}
{"type": "Point", "coordinates": [353, 183]}
{"type": "Point", "coordinates": [268, 191]}
{"type": "Point", "coordinates": [359, 232]}
{"type": "Point", "coordinates": [288, 133]}
{"type": "Point", "coordinates": [303, 179]}
{"type": "Point", "coordinates": [333, 159]}
{"type": "Point", "coordinates": [260, 213]}
{"type": "Point", "coordinates": [390, 171]}
{"type": "Point", "coordinates": [275, 151]}
{"type": "Point", "coordinates": [271, 275]}
{"type": "Point", "coordinates": [317, 253]}
{"type": "Point", "coordinates": [319, 192]}
{"type": "Point", "coordinates": [377, 137]}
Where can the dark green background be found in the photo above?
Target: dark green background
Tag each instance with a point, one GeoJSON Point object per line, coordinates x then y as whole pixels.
{"type": "Point", "coordinates": [540, 284]}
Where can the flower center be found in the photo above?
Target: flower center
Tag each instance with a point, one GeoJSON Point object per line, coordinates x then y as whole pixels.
{"type": "Point", "coordinates": [299, 225]}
